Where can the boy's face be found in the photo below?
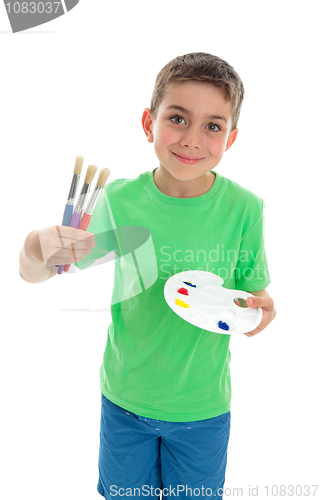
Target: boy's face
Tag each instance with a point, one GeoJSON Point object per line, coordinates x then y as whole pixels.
{"type": "Point", "coordinates": [202, 131]}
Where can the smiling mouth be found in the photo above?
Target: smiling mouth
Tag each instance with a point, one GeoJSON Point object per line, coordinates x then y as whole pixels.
{"type": "Point", "coordinates": [187, 161]}
{"type": "Point", "coordinates": [188, 157]}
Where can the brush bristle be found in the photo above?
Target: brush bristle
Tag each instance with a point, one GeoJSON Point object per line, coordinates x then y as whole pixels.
{"type": "Point", "coordinates": [78, 165]}
{"type": "Point", "coordinates": [103, 176]}
{"type": "Point", "coordinates": [91, 172]}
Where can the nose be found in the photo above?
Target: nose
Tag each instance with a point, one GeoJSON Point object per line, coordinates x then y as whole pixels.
{"type": "Point", "coordinates": [191, 138]}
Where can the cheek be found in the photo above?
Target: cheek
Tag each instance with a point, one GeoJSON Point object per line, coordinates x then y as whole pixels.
{"type": "Point", "coordinates": [219, 145]}
{"type": "Point", "coordinates": [166, 137]}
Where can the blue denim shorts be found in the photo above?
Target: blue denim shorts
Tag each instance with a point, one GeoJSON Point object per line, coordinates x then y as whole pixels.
{"type": "Point", "coordinates": [141, 456]}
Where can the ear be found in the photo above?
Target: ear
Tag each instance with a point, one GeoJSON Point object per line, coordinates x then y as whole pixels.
{"type": "Point", "coordinates": [147, 124]}
{"type": "Point", "coordinates": [232, 137]}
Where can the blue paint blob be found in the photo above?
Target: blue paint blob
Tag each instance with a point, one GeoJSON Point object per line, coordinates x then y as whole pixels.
{"type": "Point", "coordinates": [189, 284]}
{"type": "Point", "coordinates": [223, 326]}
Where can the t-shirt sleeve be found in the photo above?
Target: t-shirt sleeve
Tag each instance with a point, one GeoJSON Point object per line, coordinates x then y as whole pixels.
{"type": "Point", "coordinates": [102, 225]}
{"type": "Point", "coordinates": [252, 272]}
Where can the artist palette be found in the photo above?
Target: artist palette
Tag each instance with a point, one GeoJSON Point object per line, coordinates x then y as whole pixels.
{"type": "Point", "coordinates": [199, 298]}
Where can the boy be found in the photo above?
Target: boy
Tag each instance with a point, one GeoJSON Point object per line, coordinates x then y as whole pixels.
{"type": "Point", "coordinates": [165, 384]}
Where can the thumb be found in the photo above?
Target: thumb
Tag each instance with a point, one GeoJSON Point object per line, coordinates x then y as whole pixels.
{"type": "Point", "coordinates": [254, 301]}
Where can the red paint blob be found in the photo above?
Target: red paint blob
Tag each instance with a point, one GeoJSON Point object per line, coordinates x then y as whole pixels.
{"type": "Point", "coordinates": [184, 291]}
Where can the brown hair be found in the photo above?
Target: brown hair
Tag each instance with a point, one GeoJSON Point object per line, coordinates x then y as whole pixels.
{"type": "Point", "coordinates": [200, 67]}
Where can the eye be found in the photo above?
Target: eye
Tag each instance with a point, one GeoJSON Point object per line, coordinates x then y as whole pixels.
{"type": "Point", "coordinates": [176, 116]}
{"type": "Point", "coordinates": [216, 127]}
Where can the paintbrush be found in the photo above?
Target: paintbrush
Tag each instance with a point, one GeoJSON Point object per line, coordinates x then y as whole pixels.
{"type": "Point", "coordinates": [76, 216]}
{"type": "Point", "coordinates": [87, 214]}
{"type": "Point", "coordinates": [73, 191]}
{"type": "Point", "coordinates": [68, 211]}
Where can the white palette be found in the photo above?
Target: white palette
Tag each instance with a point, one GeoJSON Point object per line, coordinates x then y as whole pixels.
{"type": "Point", "coordinates": [209, 303]}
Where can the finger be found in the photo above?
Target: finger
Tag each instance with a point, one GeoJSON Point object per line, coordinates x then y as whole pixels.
{"type": "Point", "coordinates": [250, 334]}
{"type": "Point", "coordinates": [68, 235]}
{"type": "Point", "coordinates": [68, 255]}
{"type": "Point", "coordinates": [267, 317]}
{"type": "Point", "coordinates": [54, 238]}
{"type": "Point", "coordinates": [264, 302]}
{"type": "Point", "coordinates": [253, 332]}
{"type": "Point", "coordinates": [262, 326]}
{"type": "Point", "coordinates": [71, 236]}
{"type": "Point", "coordinates": [74, 233]}
{"type": "Point", "coordinates": [69, 259]}
{"type": "Point", "coordinates": [79, 245]}
{"type": "Point", "coordinates": [59, 235]}
{"type": "Point", "coordinates": [73, 253]}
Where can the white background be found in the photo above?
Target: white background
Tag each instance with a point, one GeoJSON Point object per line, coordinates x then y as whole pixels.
{"type": "Point", "coordinates": [78, 86]}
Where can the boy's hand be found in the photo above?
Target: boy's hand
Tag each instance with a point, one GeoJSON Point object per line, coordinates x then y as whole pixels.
{"type": "Point", "coordinates": [59, 245]}
{"type": "Point", "coordinates": [262, 299]}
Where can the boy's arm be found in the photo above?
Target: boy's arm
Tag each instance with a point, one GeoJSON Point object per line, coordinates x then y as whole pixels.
{"type": "Point", "coordinates": [262, 299]}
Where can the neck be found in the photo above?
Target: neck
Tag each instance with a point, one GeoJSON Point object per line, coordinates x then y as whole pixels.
{"type": "Point", "coordinates": [171, 186]}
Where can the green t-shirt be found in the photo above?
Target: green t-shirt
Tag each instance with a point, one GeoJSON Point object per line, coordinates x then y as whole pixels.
{"type": "Point", "coordinates": [156, 364]}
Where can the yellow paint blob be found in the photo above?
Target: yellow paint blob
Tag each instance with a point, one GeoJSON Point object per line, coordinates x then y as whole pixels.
{"type": "Point", "coordinates": [181, 303]}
